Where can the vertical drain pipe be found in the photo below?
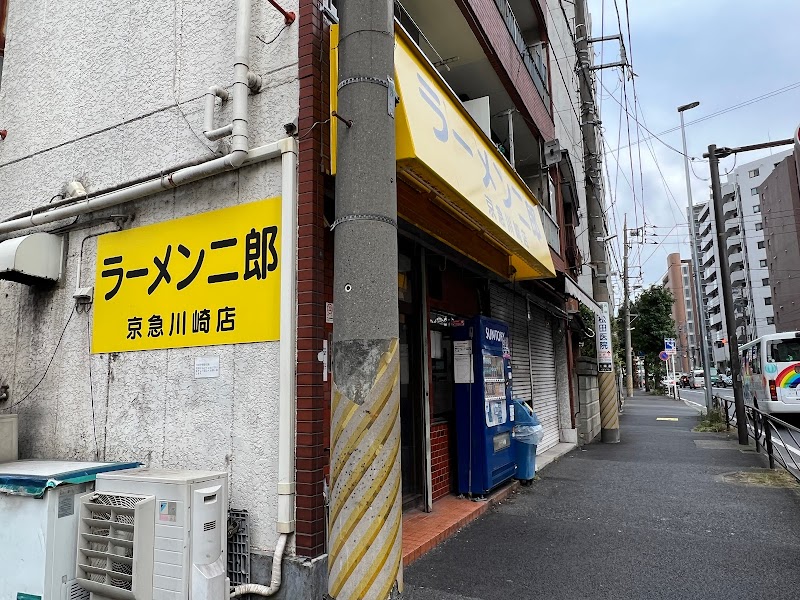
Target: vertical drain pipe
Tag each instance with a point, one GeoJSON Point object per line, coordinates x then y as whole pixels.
{"type": "Point", "coordinates": [241, 91]}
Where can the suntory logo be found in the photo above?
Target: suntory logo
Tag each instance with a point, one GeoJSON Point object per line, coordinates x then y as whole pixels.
{"type": "Point", "coordinates": [493, 335]}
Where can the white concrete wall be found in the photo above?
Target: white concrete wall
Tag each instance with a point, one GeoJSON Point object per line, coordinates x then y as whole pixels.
{"type": "Point", "coordinates": [89, 92]}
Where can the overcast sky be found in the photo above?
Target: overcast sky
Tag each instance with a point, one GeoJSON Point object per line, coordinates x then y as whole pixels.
{"type": "Point", "coordinates": [718, 52]}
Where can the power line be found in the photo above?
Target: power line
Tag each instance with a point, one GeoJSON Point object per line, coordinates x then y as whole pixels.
{"type": "Point", "coordinates": [766, 96]}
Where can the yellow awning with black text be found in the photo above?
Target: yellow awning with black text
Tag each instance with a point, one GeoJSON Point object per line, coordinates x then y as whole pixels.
{"type": "Point", "coordinates": [440, 146]}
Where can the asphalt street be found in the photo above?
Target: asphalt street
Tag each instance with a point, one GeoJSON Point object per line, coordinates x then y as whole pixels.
{"type": "Point", "coordinates": [786, 442]}
{"type": "Point", "coordinates": [659, 515]}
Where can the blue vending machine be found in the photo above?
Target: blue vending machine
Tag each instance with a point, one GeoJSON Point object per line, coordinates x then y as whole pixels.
{"type": "Point", "coordinates": [484, 411]}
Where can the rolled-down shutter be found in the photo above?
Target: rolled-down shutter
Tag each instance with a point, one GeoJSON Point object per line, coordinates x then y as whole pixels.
{"type": "Point", "coordinates": [512, 309]}
{"type": "Point", "coordinates": [543, 368]}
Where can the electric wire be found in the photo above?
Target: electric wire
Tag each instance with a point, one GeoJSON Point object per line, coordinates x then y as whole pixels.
{"type": "Point", "coordinates": [728, 109]}
{"type": "Point", "coordinates": [49, 363]}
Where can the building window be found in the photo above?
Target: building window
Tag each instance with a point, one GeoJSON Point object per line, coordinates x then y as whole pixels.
{"type": "Point", "coordinates": [770, 320]}
{"type": "Point", "coordinates": [753, 173]}
{"type": "Point", "coordinates": [759, 226]}
{"type": "Point", "coordinates": [757, 208]}
{"type": "Point", "coordinates": [768, 300]}
{"type": "Point", "coordinates": [762, 262]}
{"type": "Point", "coordinates": [754, 191]}
{"type": "Point", "coordinates": [760, 245]}
{"type": "Point", "coordinates": [765, 282]}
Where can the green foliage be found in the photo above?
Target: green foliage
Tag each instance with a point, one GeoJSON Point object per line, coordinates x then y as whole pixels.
{"type": "Point", "coordinates": [713, 422]}
{"type": "Point", "coordinates": [589, 345]}
{"type": "Point", "coordinates": [653, 324]}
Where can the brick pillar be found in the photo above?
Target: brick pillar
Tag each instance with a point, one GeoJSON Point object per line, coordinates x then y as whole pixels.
{"type": "Point", "coordinates": [312, 392]}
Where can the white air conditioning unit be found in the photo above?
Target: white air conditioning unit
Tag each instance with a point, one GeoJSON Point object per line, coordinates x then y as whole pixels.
{"type": "Point", "coordinates": [152, 534]}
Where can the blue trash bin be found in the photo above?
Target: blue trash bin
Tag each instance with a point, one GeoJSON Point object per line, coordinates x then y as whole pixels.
{"type": "Point", "coordinates": [526, 435]}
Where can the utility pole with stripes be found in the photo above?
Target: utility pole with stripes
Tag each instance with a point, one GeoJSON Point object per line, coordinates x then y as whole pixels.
{"type": "Point", "coordinates": [364, 549]}
{"type": "Point", "coordinates": [609, 406]}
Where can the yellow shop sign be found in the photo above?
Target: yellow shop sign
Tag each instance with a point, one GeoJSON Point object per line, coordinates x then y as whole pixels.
{"type": "Point", "coordinates": [202, 280]}
{"type": "Point", "coordinates": [439, 145]}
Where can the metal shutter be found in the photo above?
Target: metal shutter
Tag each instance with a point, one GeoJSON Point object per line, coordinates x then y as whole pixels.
{"type": "Point", "coordinates": [512, 309]}
{"type": "Point", "coordinates": [543, 368]}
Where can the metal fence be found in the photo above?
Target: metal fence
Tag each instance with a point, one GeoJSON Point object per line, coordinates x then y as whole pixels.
{"type": "Point", "coordinates": [779, 439]}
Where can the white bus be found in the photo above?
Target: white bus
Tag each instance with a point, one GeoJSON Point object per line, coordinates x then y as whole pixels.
{"type": "Point", "coordinates": [771, 372]}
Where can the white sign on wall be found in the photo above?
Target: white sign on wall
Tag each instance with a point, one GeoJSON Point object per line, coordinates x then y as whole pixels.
{"type": "Point", "coordinates": [605, 354]}
{"type": "Point", "coordinates": [206, 367]}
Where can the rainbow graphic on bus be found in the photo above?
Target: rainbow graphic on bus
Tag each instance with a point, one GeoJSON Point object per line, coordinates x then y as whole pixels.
{"type": "Point", "coordinates": [789, 377]}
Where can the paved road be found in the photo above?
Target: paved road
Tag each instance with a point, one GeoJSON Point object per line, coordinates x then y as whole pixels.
{"type": "Point", "coordinates": [786, 442]}
{"type": "Point", "coordinates": [653, 517]}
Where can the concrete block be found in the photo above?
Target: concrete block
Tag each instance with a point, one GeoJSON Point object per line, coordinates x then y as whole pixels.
{"type": "Point", "coordinates": [302, 577]}
{"type": "Point", "coordinates": [569, 436]}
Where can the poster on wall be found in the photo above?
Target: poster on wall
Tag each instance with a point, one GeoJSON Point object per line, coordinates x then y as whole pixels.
{"type": "Point", "coordinates": [202, 280]}
{"type": "Point", "coordinates": [605, 355]}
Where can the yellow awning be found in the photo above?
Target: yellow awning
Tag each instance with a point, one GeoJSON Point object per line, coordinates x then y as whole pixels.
{"type": "Point", "coordinates": [439, 144]}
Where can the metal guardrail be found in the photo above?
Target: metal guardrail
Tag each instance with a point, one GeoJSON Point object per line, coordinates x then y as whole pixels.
{"type": "Point", "coordinates": [767, 432]}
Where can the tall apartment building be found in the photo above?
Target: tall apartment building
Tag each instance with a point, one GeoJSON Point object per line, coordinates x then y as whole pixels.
{"type": "Point", "coordinates": [709, 259]}
{"type": "Point", "coordinates": [745, 252]}
{"type": "Point", "coordinates": [780, 213]}
{"type": "Point", "coordinates": [679, 281]}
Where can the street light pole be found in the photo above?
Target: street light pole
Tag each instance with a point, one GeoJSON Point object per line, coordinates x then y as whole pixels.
{"type": "Point", "coordinates": [700, 309]}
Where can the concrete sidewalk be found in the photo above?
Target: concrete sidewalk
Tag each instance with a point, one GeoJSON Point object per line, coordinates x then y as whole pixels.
{"type": "Point", "coordinates": [660, 515]}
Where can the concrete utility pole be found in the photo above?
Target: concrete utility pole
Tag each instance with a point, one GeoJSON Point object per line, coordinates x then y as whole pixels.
{"type": "Point", "coordinates": [627, 309]}
{"type": "Point", "coordinates": [727, 297]}
{"type": "Point", "coordinates": [700, 309]}
{"type": "Point", "coordinates": [609, 408]}
{"type": "Point", "coordinates": [713, 155]}
{"type": "Point", "coordinates": [364, 551]}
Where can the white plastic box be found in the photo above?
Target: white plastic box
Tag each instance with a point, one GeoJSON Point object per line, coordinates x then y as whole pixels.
{"type": "Point", "coordinates": [39, 507]}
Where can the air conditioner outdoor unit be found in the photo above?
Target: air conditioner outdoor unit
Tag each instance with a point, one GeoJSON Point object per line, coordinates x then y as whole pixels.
{"type": "Point", "coordinates": [155, 535]}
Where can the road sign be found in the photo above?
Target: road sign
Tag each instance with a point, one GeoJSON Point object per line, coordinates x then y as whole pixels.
{"type": "Point", "coordinates": [663, 355]}
{"type": "Point", "coordinates": [670, 345]}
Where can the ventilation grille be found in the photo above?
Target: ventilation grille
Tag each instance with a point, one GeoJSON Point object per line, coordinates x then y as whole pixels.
{"type": "Point", "coordinates": [76, 592]}
{"type": "Point", "coordinates": [238, 547]}
{"type": "Point", "coordinates": [211, 525]}
{"type": "Point", "coordinates": [106, 544]}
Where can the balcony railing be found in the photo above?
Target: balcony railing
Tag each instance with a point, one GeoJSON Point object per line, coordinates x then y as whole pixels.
{"type": "Point", "coordinates": [534, 61]}
{"type": "Point", "coordinates": [551, 231]}
{"type": "Point", "coordinates": [729, 206]}
{"type": "Point", "coordinates": [708, 257]}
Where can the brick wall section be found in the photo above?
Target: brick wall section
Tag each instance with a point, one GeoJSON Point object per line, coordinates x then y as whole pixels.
{"type": "Point", "coordinates": [487, 23]}
{"type": "Point", "coordinates": [441, 463]}
{"type": "Point", "coordinates": [312, 392]}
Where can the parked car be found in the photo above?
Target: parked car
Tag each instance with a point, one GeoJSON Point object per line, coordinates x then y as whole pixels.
{"type": "Point", "coordinates": [697, 379]}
